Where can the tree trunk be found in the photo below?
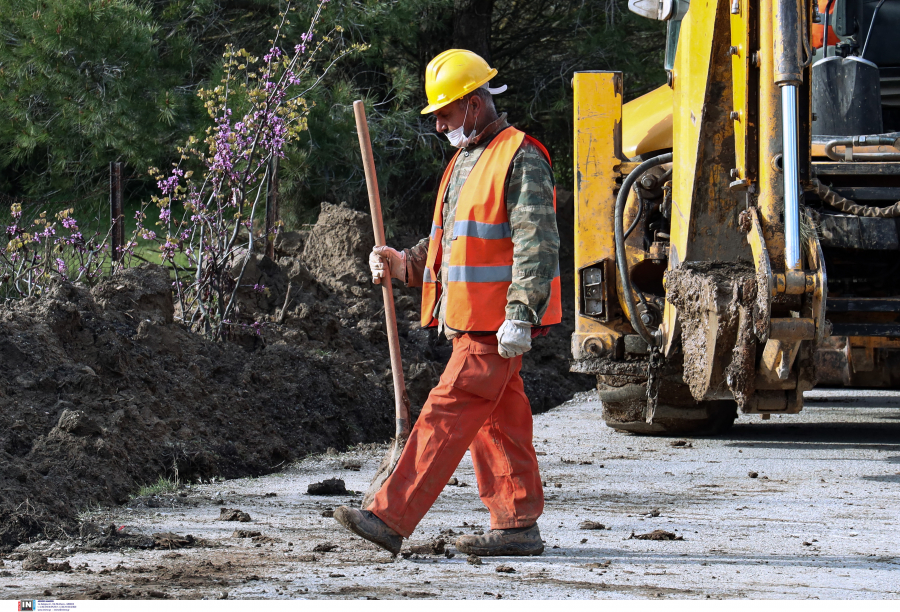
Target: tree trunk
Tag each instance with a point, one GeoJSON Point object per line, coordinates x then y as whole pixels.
{"type": "Point", "coordinates": [472, 26]}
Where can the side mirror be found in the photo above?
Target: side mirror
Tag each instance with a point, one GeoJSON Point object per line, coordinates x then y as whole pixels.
{"type": "Point", "coordinates": [661, 10]}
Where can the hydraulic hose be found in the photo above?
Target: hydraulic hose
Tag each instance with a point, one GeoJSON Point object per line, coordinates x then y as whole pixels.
{"type": "Point", "coordinates": [828, 6]}
{"type": "Point", "coordinates": [872, 140]}
{"type": "Point", "coordinates": [871, 26]}
{"type": "Point", "coordinates": [640, 212]}
{"type": "Point", "coordinates": [621, 264]}
{"type": "Point", "coordinates": [836, 200]}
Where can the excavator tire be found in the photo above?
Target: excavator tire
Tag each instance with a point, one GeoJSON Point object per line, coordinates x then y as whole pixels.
{"type": "Point", "coordinates": [677, 414]}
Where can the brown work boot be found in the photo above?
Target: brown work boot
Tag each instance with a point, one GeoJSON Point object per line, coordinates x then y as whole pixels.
{"type": "Point", "coordinates": [502, 542]}
{"type": "Point", "coordinates": [366, 525]}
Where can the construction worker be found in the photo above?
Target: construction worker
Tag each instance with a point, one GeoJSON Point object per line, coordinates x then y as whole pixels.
{"type": "Point", "coordinates": [489, 273]}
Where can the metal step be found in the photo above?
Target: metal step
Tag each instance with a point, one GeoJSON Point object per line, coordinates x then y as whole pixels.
{"type": "Point", "coordinates": [859, 304]}
{"type": "Point", "coordinates": [888, 330]}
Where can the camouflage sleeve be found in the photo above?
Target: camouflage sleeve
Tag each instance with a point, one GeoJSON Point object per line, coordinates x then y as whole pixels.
{"type": "Point", "coordinates": [415, 263]}
{"type": "Point", "coordinates": [529, 202]}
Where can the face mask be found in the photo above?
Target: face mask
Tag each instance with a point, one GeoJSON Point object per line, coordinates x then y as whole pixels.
{"type": "Point", "coordinates": [458, 137]}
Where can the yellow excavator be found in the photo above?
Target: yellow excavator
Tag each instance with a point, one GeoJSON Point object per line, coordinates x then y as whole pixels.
{"type": "Point", "coordinates": [736, 230]}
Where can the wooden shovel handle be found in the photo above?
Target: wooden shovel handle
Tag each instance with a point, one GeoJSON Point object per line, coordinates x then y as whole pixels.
{"type": "Point", "coordinates": [401, 401]}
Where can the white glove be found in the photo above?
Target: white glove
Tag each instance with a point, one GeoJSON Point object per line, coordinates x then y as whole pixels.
{"type": "Point", "coordinates": [514, 338]}
{"type": "Point", "coordinates": [384, 258]}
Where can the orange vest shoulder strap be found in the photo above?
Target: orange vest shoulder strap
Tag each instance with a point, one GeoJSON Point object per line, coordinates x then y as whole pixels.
{"type": "Point", "coordinates": [540, 146]}
{"type": "Point", "coordinates": [482, 195]}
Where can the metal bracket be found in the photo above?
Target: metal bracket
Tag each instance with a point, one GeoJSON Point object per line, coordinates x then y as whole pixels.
{"type": "Point", "coordinates": [765, 280]}
{"type": "Point", "coordinates": [819, 293]}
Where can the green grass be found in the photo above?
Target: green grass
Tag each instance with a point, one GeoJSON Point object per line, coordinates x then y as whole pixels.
{"type": "Point", "coordinates": [88, 511]}
{"type": "Point", "coordinates": [161, 486]}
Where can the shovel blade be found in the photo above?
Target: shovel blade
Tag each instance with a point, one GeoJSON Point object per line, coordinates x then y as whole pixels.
{"type": "Point", "coordinates": [388, 463]}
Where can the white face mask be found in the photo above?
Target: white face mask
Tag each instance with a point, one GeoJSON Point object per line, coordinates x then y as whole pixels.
{"type": "Point", "coordinates": [458, 137]}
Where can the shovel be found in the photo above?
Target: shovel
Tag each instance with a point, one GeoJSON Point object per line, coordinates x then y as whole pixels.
{"type": "Point", "coordinates": [401, 401]}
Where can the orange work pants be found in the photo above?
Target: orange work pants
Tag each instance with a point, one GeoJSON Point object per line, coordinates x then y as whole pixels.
{"type": "Point", "coordinates": [478, 404]}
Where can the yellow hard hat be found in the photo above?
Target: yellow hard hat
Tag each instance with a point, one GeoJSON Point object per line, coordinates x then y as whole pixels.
{"type": "Point", "coordinates": [453, 74]}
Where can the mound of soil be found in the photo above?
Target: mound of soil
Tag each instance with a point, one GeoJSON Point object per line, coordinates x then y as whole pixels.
{"type": "Point", "coordinates": [102, 390]}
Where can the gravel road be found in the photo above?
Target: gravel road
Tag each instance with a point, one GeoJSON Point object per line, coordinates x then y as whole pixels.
{"type": "Point", "coordinates": [802, 506]}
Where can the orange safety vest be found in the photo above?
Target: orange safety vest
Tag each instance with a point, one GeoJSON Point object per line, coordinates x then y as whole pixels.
{"type": "Point", "coordinates": [818, 29]}
{"type": "Point", "coordinates": [481, 259]}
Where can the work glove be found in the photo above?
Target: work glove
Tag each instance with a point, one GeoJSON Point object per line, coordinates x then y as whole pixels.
{"type": "Point", "coordinates": [384, 259]}
{"type": "Point", "coordinates": [514, 338]}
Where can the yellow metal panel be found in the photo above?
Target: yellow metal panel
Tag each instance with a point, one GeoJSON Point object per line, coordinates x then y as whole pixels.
{"type": "Point", "coordinates": [704, 209]}
{"type": "Point", "coordinates": [597, 154]}
{"type": "Point", "coordinates": [740, 52]}
{"type": "Point", "coordinates": [647, 123]}
{"type": "Point", "coordinates": [692, 68]}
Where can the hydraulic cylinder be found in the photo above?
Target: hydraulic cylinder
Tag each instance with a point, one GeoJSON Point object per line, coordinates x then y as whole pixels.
{"type": "Point", "coordinates": [788, 74]}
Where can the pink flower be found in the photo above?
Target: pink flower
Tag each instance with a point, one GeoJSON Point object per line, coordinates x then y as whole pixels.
{"type": "Point", "coordinates": [274, 53]}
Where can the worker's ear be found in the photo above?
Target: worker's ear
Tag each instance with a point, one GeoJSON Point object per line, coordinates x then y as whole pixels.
{"type": "Point", "coordinates": [477, 108]}
{"type": "Point", "coordinates": [477, 105]}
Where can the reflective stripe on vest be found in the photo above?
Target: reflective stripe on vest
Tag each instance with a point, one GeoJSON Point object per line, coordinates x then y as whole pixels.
{"type": "Point", "coordinates": [486, 231]}
{"type": "Point", "coordinates": [481, 258]}
{"type": "Point", "coordinates": [479, 274]}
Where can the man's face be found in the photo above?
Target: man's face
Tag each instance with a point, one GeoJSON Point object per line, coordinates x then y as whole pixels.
{"type": "Point", "coordinates": [450, 117]}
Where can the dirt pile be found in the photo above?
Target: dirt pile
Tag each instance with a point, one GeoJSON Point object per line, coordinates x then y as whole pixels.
{"type": "Point", "coordinates": [330, 262]}
{"type": "Point", "coordinates": [102, 391]}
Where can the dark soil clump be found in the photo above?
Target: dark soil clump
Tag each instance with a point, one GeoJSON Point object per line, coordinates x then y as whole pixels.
{"type": "Point", "coordinates": [437, 546]}
{"type": "Point", "coordinates": [233, 514]}
{"type": "Point", "coordinates": [657, 534]}
{"type": "Point", "coordinates": [591, 525]}
{"type": "Point", "coordinates": [110, 537]}
{"type": "Point", "coordinates": [36, 562]}
{"type": "Point", "coordinates": [330, 486]}
{"type": "Point", "coordinates": [172, 540]}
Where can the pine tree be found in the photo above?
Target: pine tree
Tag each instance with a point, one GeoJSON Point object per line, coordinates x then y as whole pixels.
{"type": "Point", "coordinates": [82, 84]}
